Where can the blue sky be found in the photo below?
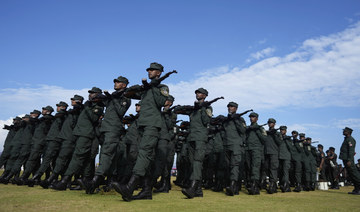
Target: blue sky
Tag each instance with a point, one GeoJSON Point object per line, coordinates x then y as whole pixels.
{"type": "Point", "coordinates": [295, 61]}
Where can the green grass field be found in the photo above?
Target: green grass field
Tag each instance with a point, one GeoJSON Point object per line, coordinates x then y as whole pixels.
{"type": "Point", "coordinates": [23, 198]}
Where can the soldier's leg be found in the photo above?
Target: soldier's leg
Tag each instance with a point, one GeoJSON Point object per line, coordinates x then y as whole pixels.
{"type": "Point", "coordinates": [107, 153]}
{"type": "Point", "coordinates": [64, 157]}
{"type": "Point", "coordinates": [51, 153]}
{"type": "Point", "coordinates": [81, 154]}
{"type": "Point", "coordinates": [5, 155]}
{"type": "Point", "coordinates": [21, 160]}
{"type": "Point", "coordinates": [160, 159]}
{"type": "Point", "coordinates": [353, 174]}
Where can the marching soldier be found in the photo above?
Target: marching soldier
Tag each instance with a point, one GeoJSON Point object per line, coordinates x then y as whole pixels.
{"type": "Point", "coordinates": [284, 160]}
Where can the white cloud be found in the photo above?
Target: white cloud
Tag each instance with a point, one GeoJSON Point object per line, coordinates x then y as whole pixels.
{"type": "Point", "coordinates": [323, 72]}
{"type": "Point", "coordinates": [353, 123]}
{"type": "Point", "coordinates": [263, 53]}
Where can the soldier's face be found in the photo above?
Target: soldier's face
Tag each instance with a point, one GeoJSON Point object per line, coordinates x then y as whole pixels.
{"type": "Point", "coordinates": [137, 108]}
{"type": "Point", "coordinates": [294, 135]}
{"type": "Point", "coordinates": [73, 103]}
{"type": "Point", "coordinates": [283, 132]}
{"type": "Point", "coordinates": [168, 103]}
{"type": "Point", "coordinates": [200, 96]}
{"type": "Point", "coordinates": [34, 115]}
{"type": "Point", "coordinates": [271, 125]}
{"type": "Point", "coordinates": [232, 109]}
{"type": "Point", "coordinates": [91, 95]}
{"type": "Point", "coordinates": [119, 85]}
{"type": "Point", "coordinates": [44, 112]}
{"type": "Point", "coordinates": [153, 74]}
{"type": "Point", "coordinates": [253, 119]}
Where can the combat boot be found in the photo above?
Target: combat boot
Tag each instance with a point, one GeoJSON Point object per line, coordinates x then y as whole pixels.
{"type": "Point", "coordinates": [237, 188]}
{"type": "Point", "coordinates": [230, 190]}
{"type": "Point", "coordinates": [191, 191]}
{"type": "Point", "coordinates": [45, 183]}
{"type": "Point", "coordinates": [146, 192]}
{"type": "Point", "coordinates": [297, 187]}
{"type": "Point", "coordinates": [198, 191]}
{"type": "Point", "coordinates": [34, 180]}
{"type": "Point", "coordinates": [93, 184]}
{"type": "Point", "coordinates": [7, 178]}
{"type": "Point", "coordinates": [5, 173]}
{"type": "Point", "coordinates": [159, 184]}
{"type": "Point", "coordinates": [164, 187]}
{"type": "Point", "coordinates": [218, 186]}
{"type": "Point", "coordinates": [63, 184]}
{"type": "Point", "coordinates": [270, 190]}
{"type": "Point", "coordinates": [127, 190]}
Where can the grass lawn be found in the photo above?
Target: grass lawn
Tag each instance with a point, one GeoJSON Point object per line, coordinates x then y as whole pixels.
{"type": "Point", "coordinates": [23, 198]}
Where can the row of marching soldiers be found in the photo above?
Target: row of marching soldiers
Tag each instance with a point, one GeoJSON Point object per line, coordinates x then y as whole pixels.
{"type": "Point", "coordinates": [237, 154]}
{"type": "Point", "coordinates": [137, 155]}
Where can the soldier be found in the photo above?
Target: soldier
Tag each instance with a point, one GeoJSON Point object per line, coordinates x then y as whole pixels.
{"type": "Point", "coordinates": [67, 140]}
{"type": "Point", "coordinates": [296, 154]}
{"type": "Point", "coordinates": [25, 145]}
{"type": "Point", "coordinates": [85, 133]}
{"type": "Point", "coordinates": [284, 160]}
{"type": "Point", "coordinates": [116, 106]}
{"type": "Point", "coordinates": [5, 155]}
{"type": "Point", "coordinates": [16, 143]}
{"type": "Point", "coordinates": [358, 165]}
{"type": "Point", "coordinates": [234, 138]}
{"type": "Point", "coordinates": [310, 153]}
{"type": "Point", "coordinates": [38, 144]}
{"type": "Point", "coordinates": [255, 138]}
{"type": "Point", "coordinates": [170, 120]}
{"type": "Point", "coordinates": [333, 168]}
{"type": "Point", "coordinates": [347, 152]}
{"type": "Point", "coordinates": [53, 143]}
{"type": "Point", "coordinates": [153, 96]}
{"type": "Point", "coordinates": [320, 161]}
{"type": "Point", "coordinates": [182, 160]}
{"type": "Point", "coordinates": [200, 116]}
{"type": "Point", "coordinates": [272, 155]}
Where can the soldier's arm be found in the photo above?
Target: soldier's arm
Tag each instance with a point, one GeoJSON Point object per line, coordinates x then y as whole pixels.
{"type": "Point", "coordinates": [240, 125]}
{"type": "Point", "coordinates": [351, 148]}
{"type": "Point", "coordinates": [122, 107]}
{"type": "Point", "coordinates": [206, 114]}
{"type": "Point", "coordinates": [134, 92]}
{"type": "Point", "coordinates": [262, 135]}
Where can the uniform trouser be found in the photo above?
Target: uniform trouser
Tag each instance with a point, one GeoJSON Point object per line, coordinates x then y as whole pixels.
{"type": "Point", "coordinates": [218, 163]}
{"type": "Point", "coordinates": [284, 166]}
{"type": "Point", "coordinates": [5, 155]}
{"type": "Point", "coordinates": [297, 169]}
{"type": "Point", "coordinates": [196, 151]}
{"type": "Point", "coordinates": [306, 170]}
{"type": "Point", "coordinates": [64, 157]}
{"type": "Point", "coordinates": [332, 173]}
{"type": "Point", "coordinates": [272, 166]}
{"type": "Point", "coordinates": [121, 159]}
{"type": "Point", "coordinates": [233, 158]}
{"type": "Point", "coordinates": [132, 151]}
{"type": "Point", "coordinates": [169, 159]}
{"type": "Point", "coordinates": [21, 160]}
{"type": "Point", "coordinates": [34, 158]}
{"type": "Point", "coordinates": [160, 158]}
{"type": "Point", "coordinates": [242, 168]}
{"type": "Point", "coordinates": [313, 171]}
{"type": "Point", "coordinates": [80, 157]}
{"type": "Point", "coordinates": [354, 174]}
{"type": "Point", "coordinates": [253, 162]}
{"type": "Point", "coordinates": [50, 155]}
{"type": "Point", "coordinates": [107, 153]}
{"type": "Point", "coordinates": [14, 154]}
{"type": "Point", "coordinates": [149, 138]}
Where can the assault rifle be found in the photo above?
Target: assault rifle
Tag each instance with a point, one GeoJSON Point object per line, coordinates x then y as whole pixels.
{"type": "Point", "coordinates": [156, 82]}
{"type": "Point", "coordinates": [188, 108]}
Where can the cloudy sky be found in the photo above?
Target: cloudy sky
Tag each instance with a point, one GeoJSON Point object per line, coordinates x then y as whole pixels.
{"type": "Point", "coordinates": [295, 61]}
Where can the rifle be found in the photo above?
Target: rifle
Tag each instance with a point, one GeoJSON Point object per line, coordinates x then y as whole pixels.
{"type": "Point", "coordinates": [208, 103]}
{"type": "Point", "coordinates": [245, 112]}
{"type": "Point", "coordinates": [156, 81]}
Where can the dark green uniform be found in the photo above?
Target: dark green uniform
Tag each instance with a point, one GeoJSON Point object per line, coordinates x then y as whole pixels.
{"type": "Point", "coordinates": [85, 133]}
{"type": "Point", "coordinates": [307, 162]}
{"type": "Point", "coordinates": [347, 152]}
{"type": "Point", "coordinates": [5, 155]}
{"type": "Point", "coordinates": [68, 140]}
{"type": "Point", "coordinates": [296, 154]}
{"type": "Point", "coordinates": [233, 141]}
{"type": "Point", "coordinates": [272, 154]}
{"type": "Point", "coordinates": [150, 123]}
{"type": "Point", "coordinates": [38, 145]}
{"type": "Point", "coordinates": [113, 129]}
{"type": "Point", "coordinates": [284, 160]}
{"type": "Point", "coordinates": [255, 137]}
{"type": "Point", "coordinates": [53, 142]}
{"type": "Point", "coordinates": [25, 146]}
{"type": "Point", "coordinates": [132, 140]}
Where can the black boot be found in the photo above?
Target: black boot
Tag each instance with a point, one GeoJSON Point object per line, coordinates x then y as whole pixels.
{"type": "Point", "coordinates": [218, 186]}
{"type": "Point", "coordinates": [237, 188]}
{"type": "Point", "coordinates": [159, 184]}
{"type": "Point", "coordinates": [93, 184]}
{"type": "Point", "coordinates": [24, 178]}
{"type": "Point", "coordinates": [146, 192]}
{"type": "Point", "coordinates": [63, 184]}
{"type": "Point", "coordinates": [45, 183]}
{"type": "Point", "coordinates": [230, 190]}
{"type": "Point", "coordinates": [127, 190]}
{"type": "Point", "coordinates": [164, 188]}
{"type": "Point", "coordinates": [297, 187]}
{"type": "Point", "coordinates": [191, 191]}
{"type": "Point", "coordinates": [7, 178]}
{"type": "Point", "coordinates": [34, 180]}
{"type": "Point", "coordinates": [5, 173]}
{"type": "Point", "coordinates": [270, 189]}
{"type": "Point", "coordinates": [198, 191]}
{"type": "Point", "coordinates": [256, 188]}
{"type": "Point", "coordinates": [287, 187]}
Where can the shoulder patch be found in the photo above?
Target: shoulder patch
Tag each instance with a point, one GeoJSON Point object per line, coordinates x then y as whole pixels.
{"type": "Point", "coordinates": [263, 131]}
{"type": "Point", "coordinates": [350, 144]}
{"type": "Point", "coordinates": [164, 91]}
{"type": "Point", "coordinates": [209, 112]}
{"type": "Point", "coordinates": [244, 125]}
{"type": "Point", "coordinates": [124, 103]}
